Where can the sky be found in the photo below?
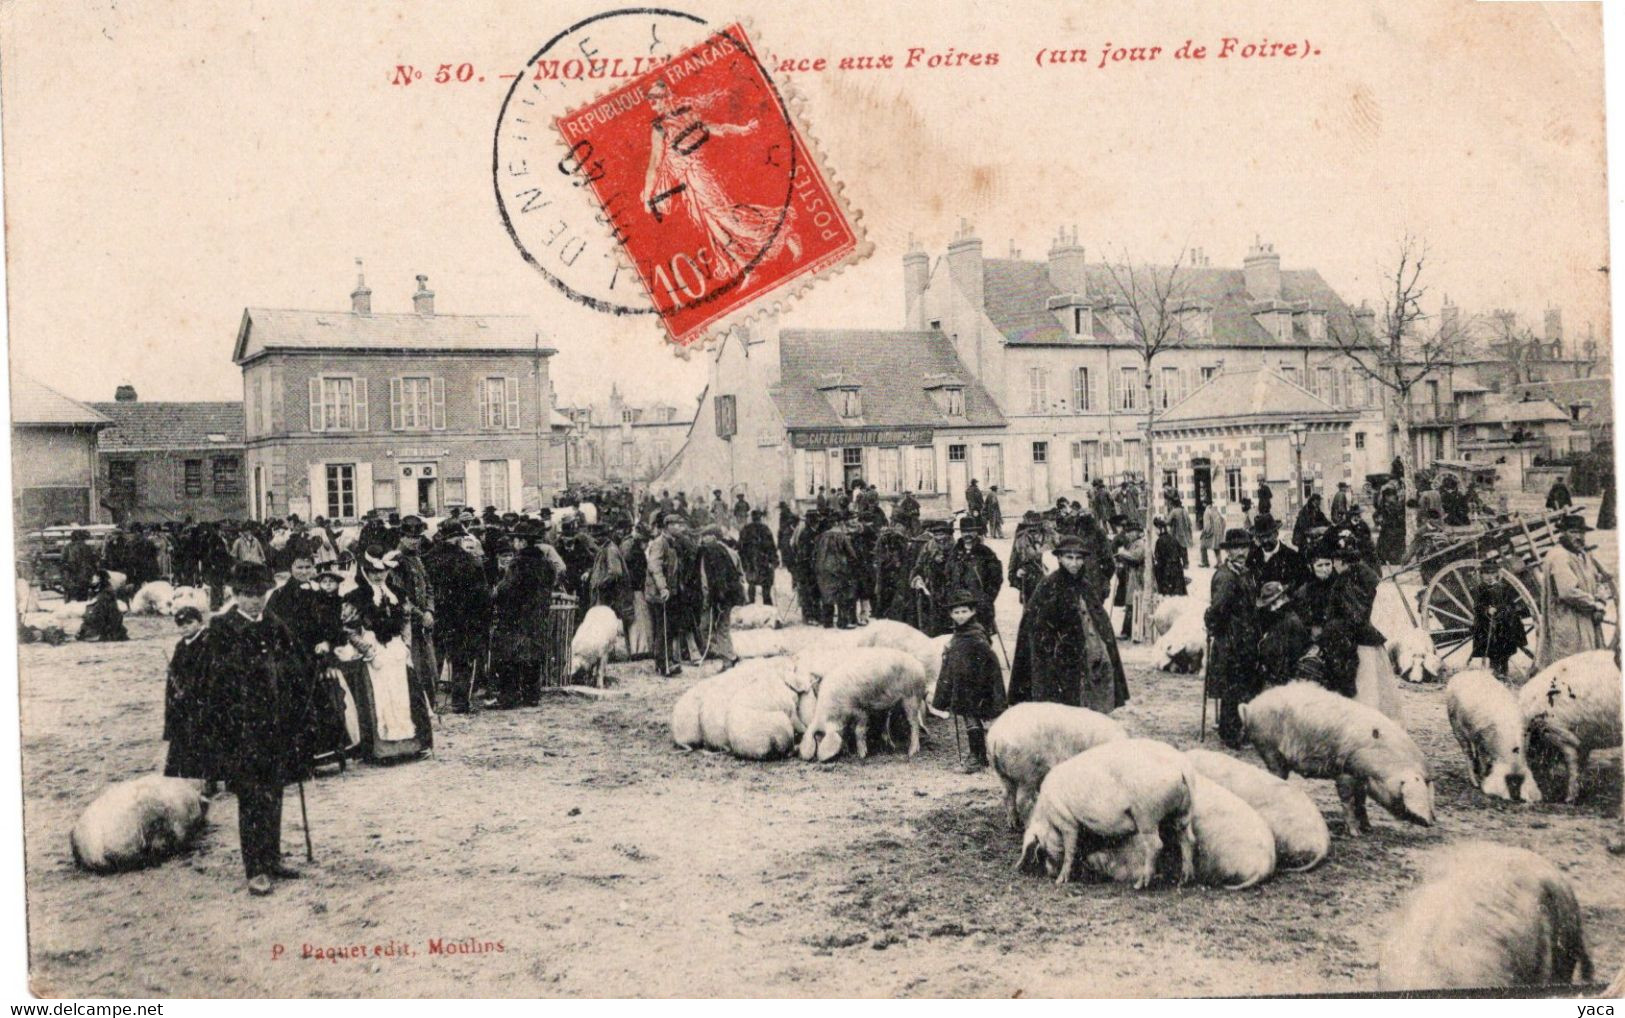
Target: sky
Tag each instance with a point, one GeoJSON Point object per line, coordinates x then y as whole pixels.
{"type": "Point", "coordinates": [168, 164]}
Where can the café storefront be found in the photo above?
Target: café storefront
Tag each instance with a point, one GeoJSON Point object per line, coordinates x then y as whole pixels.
{"type": "Point", "coordinates": [933, 463]}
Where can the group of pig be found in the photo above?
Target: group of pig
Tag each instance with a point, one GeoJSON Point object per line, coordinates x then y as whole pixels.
{"type": "Point", "coordinates": [816, 702]}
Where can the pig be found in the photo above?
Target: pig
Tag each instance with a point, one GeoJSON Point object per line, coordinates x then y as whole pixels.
{"type": "Point", "coordinates": [1030, 738]}
{"type": "Point", "coordinates": [154, 598]}
{"type": "Point", "coordinates": [1491, 916]}
{"type": "Point", "coordinates": [190, 597]}
{"type": "Point", "coordinates": [755, 616]}
{"type": "Point", "coordinates": [1305, 728]}
{"type": "Point", "coordinates": [854, 683]}
{"type": "Point", "coordinates": [1121, 789]}
{"type": "Point", "coordinates": [1235, 848]}
{"type": "Point", "coordinates": [1570, 708]}
{"type": "Point", "coordinates": [1182, 648]}
{"type": "Point", "coordinates": [1302, 840]}
{"type": "Point", "coordinates": [1413, 655]}
{"type": "Point", "coordinates": [904, 637]}
{"type": "Point", "coordinates": [1490, 728]}
{"type": "Point", "coordinates": [767, 714]}
{"type": "Point", "coordinates": [138, 823]}
{"type": "Point", "coordinates": [1171, 609]}
{"type": "Point", "coordinates": [593, 643]}
{"type": "Point", "coordinates": [686, 728]}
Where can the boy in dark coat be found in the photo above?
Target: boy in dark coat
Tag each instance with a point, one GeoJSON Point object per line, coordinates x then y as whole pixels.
{"type": "Point", "coordinates": [970, 685]}
{"type": "Point", "coordinates": [184, 693]}
{"type": "Point", "coordinates": [1498, 618]}
{"type": "Point", "coordinates": [104, 621]}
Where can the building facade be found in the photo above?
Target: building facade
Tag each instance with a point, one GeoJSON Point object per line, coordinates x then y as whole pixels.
{"type": "Point", "coordinates": [53, 457]}
{"type": "Point", "coordinates": [163, 461]}
{"type": "Point", "coordinates": [620, 442]}
{"type": "Point", "coordinates": [346, 412]}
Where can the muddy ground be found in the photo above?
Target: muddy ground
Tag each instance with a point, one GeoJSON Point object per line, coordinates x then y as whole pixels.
{"type": "Point", "coordinates": [606, 863]}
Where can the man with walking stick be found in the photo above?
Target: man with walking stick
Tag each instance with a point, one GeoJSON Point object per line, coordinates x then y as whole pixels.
{"type": "Point", "coordinates": [257, 718]}
{"type": "Point", "coordinates": [1230, 669]}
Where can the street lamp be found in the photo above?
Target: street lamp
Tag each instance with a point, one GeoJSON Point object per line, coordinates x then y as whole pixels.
{"type": "Point", "coordinates": [1297, 432]}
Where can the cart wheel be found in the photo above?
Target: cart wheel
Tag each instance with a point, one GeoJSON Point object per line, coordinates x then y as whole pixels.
{"type": "Point", "coordinates": [1448, 603]}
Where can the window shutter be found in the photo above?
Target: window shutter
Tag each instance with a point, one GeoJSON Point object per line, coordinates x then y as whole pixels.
{"type": "Point", "coordinates": [361, 404]}
{"type": "Point", "coordinates": [1094, 392]}
{"type": "Point", "coordinates": [482, 391]}
{"type": "Point", "coordinates": [516, 488]}
{"type": "Point", "coordinates": [437, 396]}
{"type": "Point", "coordinates": [1111, 391]}
{"type": "Point", "coordinates": [363, 484]}
{"type": "Point", "coordinates": [179, 467]}
{"type": "Point", "coordinates": [510, 392]}
{"type": "Point", "coordinates": [316, 482]}
{"type": "Point", "coordinates": [316, 420]}
{"type": "Point", "coordinates": [394, 404]}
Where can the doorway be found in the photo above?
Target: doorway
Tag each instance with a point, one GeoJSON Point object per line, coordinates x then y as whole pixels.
{"type": "Point", "coordinates": [958, 476]}
{"type": "Point", "coordinates": [420, 489]}
{"type": "Point", "coordinates": [1201, 485]}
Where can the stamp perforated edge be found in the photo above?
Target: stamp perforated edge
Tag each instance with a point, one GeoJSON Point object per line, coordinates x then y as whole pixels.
{"type": "Point", "coordinates": [780, 298]}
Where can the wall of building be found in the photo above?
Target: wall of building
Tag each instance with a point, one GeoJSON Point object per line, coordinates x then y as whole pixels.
{"type": "Point", "coordinates": [1257, 453]}
{"type": "Point", "coordinates": [161, 493]}
{"type": "Point", "coordinates": [52, 476]}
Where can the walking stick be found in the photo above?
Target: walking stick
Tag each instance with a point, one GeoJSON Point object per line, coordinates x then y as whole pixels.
{"type": "Point", "coordinates": [958, 753]}
{"type": "Point", "coordinates": [1000, 637]}
{"type": "Point", "coordinates": [1207, 658]}
{"type": "Point", "coordinates": [304, 818]}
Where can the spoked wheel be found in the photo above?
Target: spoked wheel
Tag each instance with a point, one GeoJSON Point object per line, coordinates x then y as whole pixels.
{"type": "Point", "coordinates": [1448, 603]}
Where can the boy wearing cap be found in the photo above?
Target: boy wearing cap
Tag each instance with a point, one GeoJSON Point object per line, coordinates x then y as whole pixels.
{"type": "Point", "coordinates": [1498, 615]}
{"type": "Point", "coordinates": [970, 685]}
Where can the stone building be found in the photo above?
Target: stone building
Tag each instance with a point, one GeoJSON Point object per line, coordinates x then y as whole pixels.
{"type": "Point", "coordinates": [162, 461]}
{"type": "Point", "coordinates": [621, 442]}
{"type": "Point", "coordinates": [53, 457]}
{"type": "Point", "coordinates": [348, 411]}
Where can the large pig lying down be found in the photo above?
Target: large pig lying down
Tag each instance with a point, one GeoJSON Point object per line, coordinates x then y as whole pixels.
{"type": "Point", "coordinates": [1571, 708]}
{"type": "Point", "coordinates": [1492, 916]}
{"type": "Point", "coordinates": [138, 823]}
{"type": "Point", "coordinates": [1490, 728]}
{"type": "Point", "coordinates": [1305, 728]}
{"type": "Point", "coordinates": [1118, 797]}
{"type": "Point", "coordinates": [1235, 848]}
{"type": "Point", "coordinates": [754, 710]}
{"type": "Point", "coordinates": [851, 685]}
{"type": "Point", "coordinates": [1030, 738]}
{"type": "Point", "coordinates": [1302, 841]}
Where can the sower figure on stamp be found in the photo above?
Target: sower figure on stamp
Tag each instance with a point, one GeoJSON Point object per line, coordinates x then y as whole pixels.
{"type": "Point", "coordinates": [256, 718]}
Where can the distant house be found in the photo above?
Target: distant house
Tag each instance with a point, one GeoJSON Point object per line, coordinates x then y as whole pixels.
{"type": "Point", "coordinates": [623, 442]}
{"type": "Point", "coordinates": [168, 461]}
{"type": "Point", "coordinates": [349, 411]}
{"type": "Point", "coordinates": [53, 457]}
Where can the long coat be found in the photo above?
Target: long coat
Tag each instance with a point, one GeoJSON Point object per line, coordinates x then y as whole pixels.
{"type": "Point", "coordinates": [1179, 528]}
{"type": "Point", "coordinates": [1168, 566]}
{"type": "Point", "coordinates": [185, 700]}
{"type": "Point", "coordinates": [971, 683]}
{"type": "Point", "coordinates": [1026, 569]}
{"type": "Point", "coordinates": [462, 601]}
{"type": "Point", "coordinates": [256, 710]}
{"type": "Point", "coordinates": [1571, 588]}
{"type": "Point", "coordinates": [1232, 629]}
{"type": "Point", "coordinates": [835, 566]}
{"type": "Point", "coordinates": [102, 620]}
{"type": "Point", "coordinates": [758, 553]}
{"type": "Point", "coordinates": [1056, 659]}
{"type": "Point", "coordinates": [1212, 528]}
{"type": "Point", "coordinates": [520, 607]}
{"type": "Point", "coordinates": [977, 570]}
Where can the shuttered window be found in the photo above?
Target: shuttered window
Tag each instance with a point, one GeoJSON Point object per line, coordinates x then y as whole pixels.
{"type": "Point", "coordinates": [1037, 389]}
{"type": "Point", "coordinates": [338, 403]}
{"type": "Point", "coordinates": [499, 402]}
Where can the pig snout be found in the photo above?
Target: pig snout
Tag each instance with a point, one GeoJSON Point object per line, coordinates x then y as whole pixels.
{"type": "Point", "coordinates": [1515, 787]}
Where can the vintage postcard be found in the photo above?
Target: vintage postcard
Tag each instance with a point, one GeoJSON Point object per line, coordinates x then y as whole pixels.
{"type": "Point", "coordinates": [799, 501]}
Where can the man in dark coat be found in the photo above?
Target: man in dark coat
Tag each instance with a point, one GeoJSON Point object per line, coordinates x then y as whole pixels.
{"type": "Point", "coordinates": [1391, 546]}
{"type": "Point", "coordinates": [103, 621]}
{"type": "Point", "coordinates": [835, 565]}
{"type": "Point", "coordinates": [1232, 631]}
{"type": "Point", "coordinates": [1264, 495]}
{"type": "Point", "coordinates": [787, 529]}
{"type": "Point", "coordinates": [970, 684]}
{"type": "Point", "coordinates": [1284, 637]}
{"type": "Point", "coordinates": [1340, 503]}
{"type": "Point", "coordinates": [907, 514]}
{"type": "Point", "coordinates": [1167, 562]}
{"type": "Point", "coordinates": [1100, 501]}
{"type": "Point", "coordinates": [760, 557]}
{"type": "Point", "coordinates": [929, 579]}
{"type": "Point", "coordinates": [993, 513]}
{"type": "Point", "coordinates": [662, 580]}
{"type": "Point", "coordinates": [1065, 649]}
{"type": "Point", "coordinates": [973, 500]}
{"type": "Point", "coordinates": [462, 603]}
{"type": "Point", "coordinates": [520, 610]}
{"type": "Point", "coordinates": [1026, 568]}
{"type": "Point", "coordinates": [578, 551]}
{"type": "Point", "coordinates": [313, 619]}
{"type": "Point", "coordinates": [1498, 618]}
{"type": "Point", "coordinates": [78, 566]}
{"type": "Point", "coordinates": [1270, 559]}
{"type": "Point", "coordinates": [894, 556]}
{"type": "Point", "coordinates": [258, 709]}
{"type": "Point", "coordinates": [1310, 517]}
{"type": "Point", "coordinates": [411, 581]}
{"type": "Point", "coordinates": [973, 566]}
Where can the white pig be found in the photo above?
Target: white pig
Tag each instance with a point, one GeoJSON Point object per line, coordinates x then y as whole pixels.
{"type": "Point", "coordinates": [1030, 738]}
{"type": "Point", "coordinates": [1490, 728]}
{"type": "Point", "coordinates": [855, 683]}
{"type": "Point", "coordinates": [137, 823]}
{"type": "Point", "coordinates": [1572, 707]}
{"type": "Point", "coordinates": [1302, 840]}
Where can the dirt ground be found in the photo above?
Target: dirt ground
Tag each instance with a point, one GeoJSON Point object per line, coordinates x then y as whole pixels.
{"type": "Point", "coordinates": [606, 863]}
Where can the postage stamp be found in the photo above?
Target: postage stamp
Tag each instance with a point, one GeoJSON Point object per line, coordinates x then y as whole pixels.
{"type": "Point", "coordinates": [708, 184]}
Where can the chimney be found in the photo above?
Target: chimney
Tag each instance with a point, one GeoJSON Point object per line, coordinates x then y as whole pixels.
{"type": "Point", "coordinates": [124, 393]}
{"type": "Point", "coordinates": [1449, 318]}
{"type": "Point", "coordinates": [1262, 268]}
{"type": "Point", "coordinates": [916, 278]}
{"type": "Point", "coordinates": [423, 300]}
{"type": "Point", "coordinates": [965, 265]}
{"type": "Point", "coordinates": [1365, 319]}
{"type": "Point", "coordinates": [1554, 325]}
{"type": "Point", "coordinates": [360, 297]}
{"type": "Point", "coordinates": [1067, 271]}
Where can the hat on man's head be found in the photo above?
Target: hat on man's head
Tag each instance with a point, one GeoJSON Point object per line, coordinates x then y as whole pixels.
{"type": "Point", "coordinates": [1071, 544]}
{"type": "Point", "coordinates": [1273, 591]}
{"type": "Point", "coordinates": [1575, 524]}
{"type": "Point", "coordinates": [1265, 525]}
{"type": "Point", "coordinates": [962, 599]}
{"type": "Point", "coordinates": [1235, 538]}
{"type": "Point", "coordinates": [1117, 520]}
{"type": "Point", "coordinates": [413, 526]}
{"type": "Point", "coordinates": [969, 526]}
{"type": "Point", "coordinates": [939, 527]}
{"type": "Point", "coordinates": [450, 529]}
{"type": "Point", "coordinates": [251, 578]}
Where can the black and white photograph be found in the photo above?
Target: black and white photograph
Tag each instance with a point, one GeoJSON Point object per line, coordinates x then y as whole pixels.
{"type": "Point", "coordinates": [900, 500]}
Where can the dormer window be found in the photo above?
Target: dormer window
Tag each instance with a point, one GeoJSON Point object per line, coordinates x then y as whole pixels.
{"type": "Point", "coordinates": [1083, 324]}
{"type": "Point", "coordinates": [628, 416]}
{"type": "Point", "coordinates": [849, 402]}
{"type": "Point", "coordinates": [1317, 325]}
{"type": "Point", "coordinates": [955, 401]}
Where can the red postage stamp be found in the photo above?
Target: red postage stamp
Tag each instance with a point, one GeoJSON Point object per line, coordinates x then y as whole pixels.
{"type": "Point", "coordinates": [709, 186]}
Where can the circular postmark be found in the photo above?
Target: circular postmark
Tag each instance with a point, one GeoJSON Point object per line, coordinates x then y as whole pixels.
{"type": "Point", "coordinates": [645, 164]}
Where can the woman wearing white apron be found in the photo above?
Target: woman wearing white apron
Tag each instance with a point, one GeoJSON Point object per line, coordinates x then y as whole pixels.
{"type": "Point", "coordinates": [1375, 684]}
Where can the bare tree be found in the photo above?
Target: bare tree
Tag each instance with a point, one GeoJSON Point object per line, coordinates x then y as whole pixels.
{"type": "Point", "coordinates": [1517, 344]}
{"type": "Point", "coordinates": [1151, 302]}
{"type": "Point", "coordinates": [1401, 345]}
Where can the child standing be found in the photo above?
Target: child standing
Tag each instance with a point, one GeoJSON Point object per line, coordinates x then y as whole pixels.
{"type": "Point", "coordinates": [183, 695]}
{"type": "Point", "coordinates": [971, 684]}
{"type": "Point", "coordinates": [1498, 618]}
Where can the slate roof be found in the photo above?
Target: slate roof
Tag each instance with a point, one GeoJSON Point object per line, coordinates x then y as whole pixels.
{"type": "Point", "coordinates": [34, 403]}
{"type": "Point", "coordinates": [892, 370]}
{"type": "Point", "coordinates": [163, 426]}
{"type": "Point", "coordinates": [1016, 295]}
{"type": "Point", "coordinates": [1518, 412]}
{"type": "Point", "coordinates": [1249, 394]}
{"type": "Point", "coordinates": [265, 329]}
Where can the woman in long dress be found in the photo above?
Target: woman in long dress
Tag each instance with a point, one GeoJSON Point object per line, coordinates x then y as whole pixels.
{"type": "Point", "coordinates": [375, 621]}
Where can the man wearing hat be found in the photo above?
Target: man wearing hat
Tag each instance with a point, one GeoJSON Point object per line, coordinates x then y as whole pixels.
{"type": "Point", "coordinates": [1271, 559]}
{"type": "Point", "coordinates": [411, 580]}
{"type": "Point", "coordinates": [1027, 554]}
{"type": "Point", "coordinates": [258, 713]}
{"type": "Point", "coordinates": [929, 578]}
{"type": "Point", "coordinates": [462, 602]}
{"type": "Point", "coordinates": [907, 513]}
{"type": "Point", "coordinates": [1167, 561]}
{"type": "Point", "coordinates": [1574, 595]}
{"type": "Point", "coordinates": [1285, 638]}
{"type": "Point", "coordinates": [1130, 557]}
{"type": "Point", "coordinates": [759, 555]}
{"type": "Point", "coordinates": [1340, 503]}
{"type": "Point", "coordinates": [1100, 501]}
{"type": "Point", "coordinates": [1498, 616]}
{"type": "Point", "coordinates": [661, 581]}
{"type": "Point", "coordinates": [972, 566]}
{"type": "Point", "coordinates": [520, 610]}
{"type": "Point", "coordinates": [835, 563]}
{"type": "Point", "coordinates": [102, 620]}
{"type": "Point", "coordinates": [1065, 651]}
{"type": "Point", "coordinates": [970, 684]}
{"type": "Point", "coordinates": [1232, 630]}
